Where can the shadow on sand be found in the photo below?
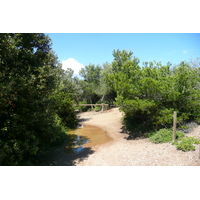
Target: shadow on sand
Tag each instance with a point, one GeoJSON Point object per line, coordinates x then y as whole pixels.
{"type": "Point", "coordinates": [132, 135]}
{"type": "Point", "coordinates": [83, 119]}
{"type": "Point", "coordinates": [62, 156]}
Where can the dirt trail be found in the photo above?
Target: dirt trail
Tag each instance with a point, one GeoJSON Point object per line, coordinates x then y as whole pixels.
{"type": "Point", "coordinates": [141, 152]}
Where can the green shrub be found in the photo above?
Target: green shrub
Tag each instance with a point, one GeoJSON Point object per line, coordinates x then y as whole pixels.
{"type": "Point", "coordinates": [149, 134]}
{"type": "Point", "coordinates": [184, 127]}
{"type": "Point", "coordinates": [164, 135]}
{"type": "Point", "coordinates": [97, 108]}
{"type": "Point", "coordinates": [194, 140]}
{"type": "Point", "coordinates": [175, 143]}
{"type": "Point", "coordinates": [179, 135]}
{"type": "Point", "coordinates": [82, 108]}
{"type": "Point", "coordinates": [65, 110]}
{"type": "Point", "coordinates": [187, 144]}
{"type": "Point", "coordinates": [161, 136]}
{"type": "Point", "coordinates": [136, 127]}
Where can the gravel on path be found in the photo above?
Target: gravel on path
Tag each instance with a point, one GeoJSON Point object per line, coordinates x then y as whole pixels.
{"type": "Point", "coordinates": [138, 152]}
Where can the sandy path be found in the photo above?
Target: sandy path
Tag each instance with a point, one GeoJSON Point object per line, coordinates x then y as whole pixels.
{"type": "Point", "coordinates": [141, 152]}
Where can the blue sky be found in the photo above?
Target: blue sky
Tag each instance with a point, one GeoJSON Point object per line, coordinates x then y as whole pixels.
{"type": "Point", "coordinates": [76, 50]}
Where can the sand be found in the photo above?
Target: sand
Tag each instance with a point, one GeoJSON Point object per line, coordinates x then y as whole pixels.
{"type": "Point", "coordinates": [139, 152]}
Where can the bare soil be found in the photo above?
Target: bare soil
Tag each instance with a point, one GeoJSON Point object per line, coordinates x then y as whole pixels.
{"type": "Point", "coordinates": [138, 152]}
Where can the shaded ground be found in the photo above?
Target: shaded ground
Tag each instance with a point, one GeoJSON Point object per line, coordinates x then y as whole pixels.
{"type": "Point", "coordinates": [62, 157]}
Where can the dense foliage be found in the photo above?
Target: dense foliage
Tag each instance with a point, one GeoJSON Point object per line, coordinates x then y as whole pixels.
{"type": "Point", "coordinates": [31, 115]}
{"type": "Point", "coordinates": [94, 85]}
{"type": "Point", "coordinates": [147, 93]}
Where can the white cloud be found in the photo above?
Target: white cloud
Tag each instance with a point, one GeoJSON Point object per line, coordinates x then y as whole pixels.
{"type": "Point", "coordinates": [172, 52]}
{"type": "Point", "coordinates": [186, 51]}
{"type": "Point", "coordinates": [73, 64]}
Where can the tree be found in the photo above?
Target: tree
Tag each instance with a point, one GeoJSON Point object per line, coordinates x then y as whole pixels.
{"type": "Point", "coordinates": [90, 83]}
{"type": "Point", "coordinates": [70, 85]}
{"type": "Point", "coordinates": [148, 95]}
{"type": "Point", "coordinates": [30, 77]}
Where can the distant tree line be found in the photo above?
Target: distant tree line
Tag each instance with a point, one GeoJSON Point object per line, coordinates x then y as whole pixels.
{"type": "Point", "coordinates": [147, 94]}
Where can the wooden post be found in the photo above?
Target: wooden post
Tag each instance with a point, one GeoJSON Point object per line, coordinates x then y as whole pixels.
{"type": "Point", "coordinates": [102, 109]}
{"type": "Point", "coordinates": [199, 151]}
{"type": "Point", "coordinates": [174, 126]}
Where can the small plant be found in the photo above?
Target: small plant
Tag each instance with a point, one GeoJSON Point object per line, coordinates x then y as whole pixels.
{"type": "Point", "coordinates": [161, 136]}
{"type": "Point", "coordinates": [164, 135]}
{"type": "Point", "coordinates": [149, 134]}
{"type": "Point", "coordinates": [179, 135]}
{"type": "Point", "coordinates": [175, 143]}
{"type": "Point", "coordinates": [195, 141]}
{"type": "Point", "coordinates": [184, 127]}
{"type": "Point", "coordinates": [89, 109]}
{"type": "Point", "coordinates": [97, 108]}
{"type": "Point", "coordinates": [187, 144]}
{"type": "Point", "coordinates": [83, 108]}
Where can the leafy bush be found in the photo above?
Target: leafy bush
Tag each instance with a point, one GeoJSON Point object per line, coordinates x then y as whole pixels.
{"type": "Point", "coordinates": [179, 135]}
{"type": "Point", "coordinates": [97, 108]}
{"type": "Point", "coordinates": [151, 93]}
{"type": "Point", "coordinates": [149, 134]}
{"type": "Point", "coordinates": [65, 110]}
{"type": "Point", "coordinates": [196, 141]}
{"type": "Point", "coordinates": [187, 144]}
{"type": "Point", "coordinates": [82, 108]}
{"type": "Point", "coordinates": [136, 126]}
{"type": "Point", "coordinates": [161, 136]}
{"type": "Point", "coordinates": [164, 135]}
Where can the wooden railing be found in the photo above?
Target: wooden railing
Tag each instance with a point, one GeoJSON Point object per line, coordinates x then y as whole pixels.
{"type": "Point", "coordinates": [94, 105]}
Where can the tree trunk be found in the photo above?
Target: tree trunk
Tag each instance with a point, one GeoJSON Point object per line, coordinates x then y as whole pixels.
{"type": "Point", "coordinates": [91, 104]}
{"type": "Point", "coordinates": [102, 98]}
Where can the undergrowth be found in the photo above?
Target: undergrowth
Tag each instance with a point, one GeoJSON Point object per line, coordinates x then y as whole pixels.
{"type": "Point", "coordinates": [182, 143]}
{"type": "Point", "coordinates": [164, 135]}
{"type": "Point", "coordinates": [187, 144]}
